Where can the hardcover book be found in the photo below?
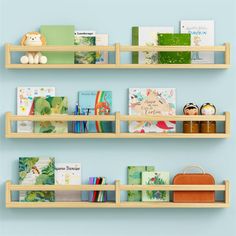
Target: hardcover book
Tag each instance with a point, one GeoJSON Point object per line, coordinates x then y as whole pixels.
{"type": "Point", "coordinates": [102, 57]}
{"type": "Point", "coordinates": [147, 36]}
{"type": "Point", "coordinates": [135, 178]}
{"type": "Point", "coordinates": [51, 106]}
{"type": "Point", "coordinates": [96, 103]}
{"type": "Point", "coordinates": [85, 38]}
{"type": "Point", "coordinates": [36, 171]}
{"type": "Point", "coordinates": [59, 35]}
{"type": "Point", "coordinates": [153, 102]}
{"type": "Point", "coordinates": [155, 178]}
{"type": "Point", "coordinates": [25, 104]}
{"type": "Point", "coordinates": [202, 34]}
{"type": "Point", "coordinates": [97, 196]}
{"type": "Point", "coordinates": [174, 40]}
{"type": "Point", "coordinates": [68, 174]}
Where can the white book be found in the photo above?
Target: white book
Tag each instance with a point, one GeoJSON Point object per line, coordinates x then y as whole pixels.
{"type": "Point", "coordinates": [25, 104]}
{"type": "Point", "coordinates": [67, 174]}
{"type": "Point", "coordinates": [102, 57]}
{"type": "Point", "coordinates": [202, 34]}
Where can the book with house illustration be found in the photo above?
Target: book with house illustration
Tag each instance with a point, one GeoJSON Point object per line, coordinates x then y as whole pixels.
{"type": "Point", "coordinates": [202, 34]}
{"type": "Point", "coordinates": [85, 38]}
{"type": "Point", "coordinates": [25, 104]}
{"type": "Point", "coordinates": [36, 171]}
{"type": "Point", "coordinates": [68, 174]}
{"type": "Point", "coordinates": [174, 40]}
{"type": "Point", "coordinates": [135, 178]}
{"type": "Point", "coordinates": [51, 106]}
{"type": "Point", "coordinates": [147, 36]}
{"type": "Point", "coordinates": [96, 103]}
{"type": "Point", "coordinates": [102, 56]}
{"type": "Point", "coordinates": [155, 178]}
{"type": "Point", "coordinates": [152, 102]}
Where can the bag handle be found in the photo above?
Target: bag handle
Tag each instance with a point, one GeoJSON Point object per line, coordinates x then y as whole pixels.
{"type": "Point", "coordinates": [193, 167]}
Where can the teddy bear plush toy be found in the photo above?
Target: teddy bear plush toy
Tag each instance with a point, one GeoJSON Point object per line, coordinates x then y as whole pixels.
{"type": "Point", "coordinates": [33, 39]}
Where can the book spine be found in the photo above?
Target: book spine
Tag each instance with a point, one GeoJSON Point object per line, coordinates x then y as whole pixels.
{"type": "Point", "coordinates": [135, 40]}
{"type": "Point", "coordinates": [91, 181]}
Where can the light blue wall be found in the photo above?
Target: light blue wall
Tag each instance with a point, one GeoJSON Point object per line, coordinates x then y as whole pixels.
{"type": "Point", "coordinates": [111, 157]}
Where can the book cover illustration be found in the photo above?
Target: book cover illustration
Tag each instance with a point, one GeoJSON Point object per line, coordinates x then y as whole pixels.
{"type": "Point", "coordinates": [68, 174]}
{"type": "Point", "coordinates": [59, 35]}
{"type": "Point", "coordinates": [97, 196]}
{"type": "Point", "coordinates": [36, 171]}
{"type": "Point", "coordinates": [85, 38]}
{"type": "Point", "coordinates": [102, 57]}
{"type": "Point", "coordinates": [202, 34]}
{"type": "Point", "coordinates": [147, 36]}
{"type": "Point", "coordinates": [155, 178]}
{"type": "Point", "coordinates": [135, 178]}
{"type": "Point", "coordinates": [25, 104]}
{"type": "Point", "coordinates": [153, 102]}
{"type": "Point", "coordinates": [51, 106]}
{"type": "Point", "coordinates": [174, 40]}
{"type": "Point", "coordinates": [96, 103]}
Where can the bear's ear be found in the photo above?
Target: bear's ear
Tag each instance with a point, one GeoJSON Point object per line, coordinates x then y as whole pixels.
{"type": "Point", "coordinates": [23, 40]}
{"type": "Point", "coordinates": [27, 35]}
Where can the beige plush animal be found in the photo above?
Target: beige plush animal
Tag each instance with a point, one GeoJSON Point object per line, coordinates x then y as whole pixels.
{"type": "Point", "coordinates": [33, 39]}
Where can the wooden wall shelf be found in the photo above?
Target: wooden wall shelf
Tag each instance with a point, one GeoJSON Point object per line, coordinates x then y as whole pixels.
{"type": "Point", "coordinates": [118, 49]}
{"type": "Point", "coordinates": [117, 188]}
{"type": "Point", "coordinates": [117, 118]}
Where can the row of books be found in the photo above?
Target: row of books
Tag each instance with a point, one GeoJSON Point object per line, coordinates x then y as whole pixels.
{"type": "Point", "coordinates": [142, 101]}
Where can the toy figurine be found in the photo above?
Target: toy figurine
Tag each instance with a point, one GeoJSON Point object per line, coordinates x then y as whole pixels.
{"type": "Point", "coordinates": [191, 126]}
{"type": "Point", "coordinates": [208, 109]}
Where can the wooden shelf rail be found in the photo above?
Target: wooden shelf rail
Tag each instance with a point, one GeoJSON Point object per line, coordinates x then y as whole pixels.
{"type": "Point", "coordinates": [117, 118]}
{"type": "Point", "coordinates": [118, 203]}
{"type": "Point", "coordinates": [117, 49]}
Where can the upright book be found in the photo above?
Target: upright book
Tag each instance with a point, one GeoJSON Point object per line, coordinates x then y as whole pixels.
{"type": "Point", "coordinates": [147, 36]}
{"type": "Point", "coordinates": [102, 56]}
{"type": "Point", "coordinates": [155, 178]}
{"type": "Point", "coordinates": [152, 102]}
{"type": "Point", "coordinates": [202, 34]}
{"type": "Point", "coordinates": [36, 171]}
{"type": "Point", "coordinates": [174, 40]}
{"type": "Point", "coordinates": [25, 104]}
{"type": "Point", "coordinates": [135, 178]}
{"type": "Point", "coordinates": [59, 35]}
{"type": "Point", "coordinates": [67, 174]}
{"type": "Point", "coordinates": [51, 106]}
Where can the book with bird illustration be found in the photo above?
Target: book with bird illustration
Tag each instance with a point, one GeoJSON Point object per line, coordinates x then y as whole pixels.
{"type": "Point", "coordinates": [36, 171]}
{"type": "Point", "coordinates": [152, 102]}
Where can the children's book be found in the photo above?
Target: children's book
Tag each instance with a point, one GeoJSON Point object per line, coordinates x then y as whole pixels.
{"type": "Point", "coordinates": [68, 174]}
{"type": "Point", "coordinates": [97, 196]}
{"type": "Point", "coordinates": [153, 102]}
{"type": "Point", "coordinates": [202, 34]}
{"type": "Point", "coordinates": [51, 106]}
{"type": "Point", "coordinates": [155, 178]}
{"type": "Point", "coordinates": [96, 103]}
{"type": "Point", "coordinates": [102, 57]}
{"type": "Point", "coordinates": [147, 36]}
{"type": "Point", "coordinates": [135, 177]}
{"type": "Point", "coordinates": [25, 104]}
{"type": "Point", "coordinates": [36, 171]}
{"type": "Point", "coordinates": [85, 38]}
{"type": "Point", "coordinates": [174, 40]}
{"type": "Point", "coordinates": [59, 35]}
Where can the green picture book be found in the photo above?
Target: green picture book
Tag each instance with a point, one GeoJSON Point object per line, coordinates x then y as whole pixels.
{"type": "Point", "coordinates": [59, 35]}
{"type": "Point", "coordinates": [36, 171]}
{"type": "Point", "coordinates": [174, 40]}
{"type": "Point", "coordinates": [135, 177]}
{"type": "Point", "coordinates": [51, 106]}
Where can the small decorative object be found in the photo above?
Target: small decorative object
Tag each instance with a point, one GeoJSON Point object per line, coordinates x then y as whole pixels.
{"type": "Point", "coordinates": [191, 126]}
{"type": "Point", "coordinates": [33, 39]}
{"type": "Point", "coordinates": [208, 109]}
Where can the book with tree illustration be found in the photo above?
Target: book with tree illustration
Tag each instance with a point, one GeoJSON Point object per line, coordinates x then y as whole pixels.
{"type": "Point", "coordinates": [135, 178]}
{"type": "Point", "coordinates": [174, 40]}
{"type": "Point", "coordinates": [152, 102]}
{"type": "Point", "coordinates": [155, 178]}
{"type": "Point", "coordinates": [96, 103]}
{"type": "Point", "coordinates": [25, 104]}
{"type": "Point", "coordinates": [36, 171]}
{"type": "Point", "coordinates": [51, 106]}
{"type": "Point", "coordinates": [85, 38]}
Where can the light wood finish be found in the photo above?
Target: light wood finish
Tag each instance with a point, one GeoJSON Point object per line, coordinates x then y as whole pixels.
{"type": "Point", "coordinates": [117, 118]}
{"type": "Point", "coordinates": [117, 187]}
{"type": "Point", "coordinates": [117, 49]}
